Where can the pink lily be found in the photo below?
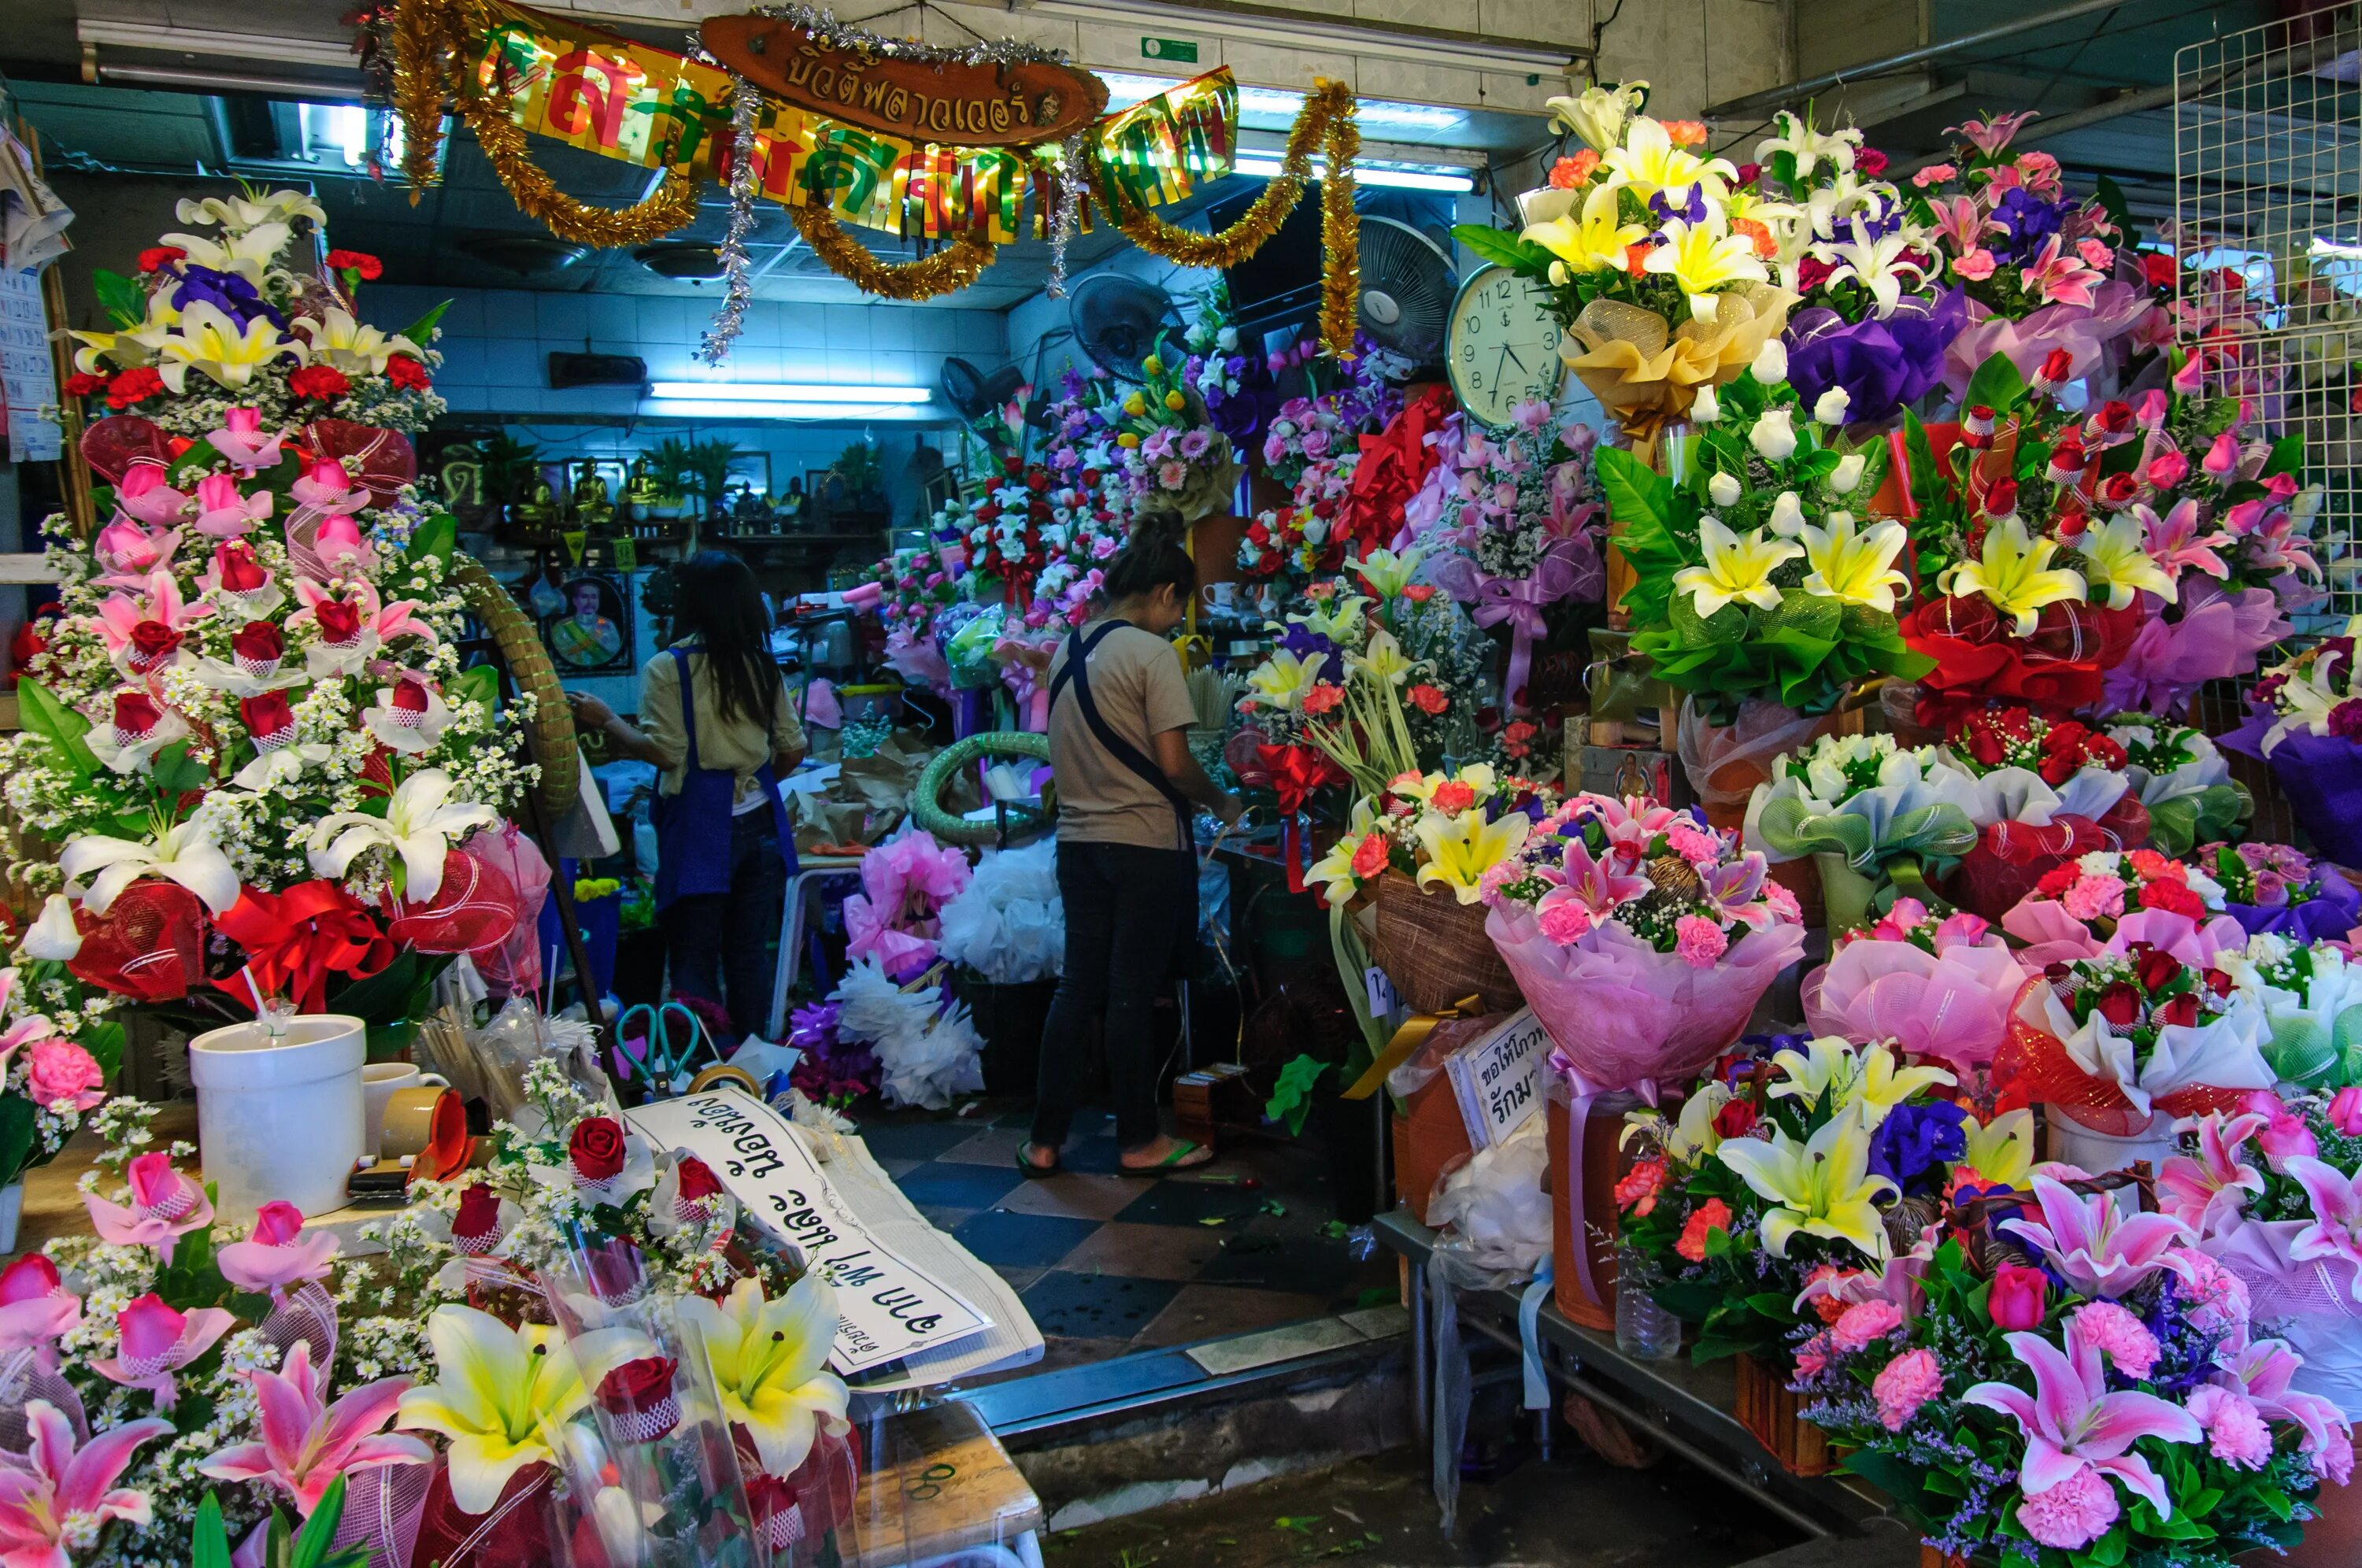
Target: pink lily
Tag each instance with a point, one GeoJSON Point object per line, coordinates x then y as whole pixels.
{"type": "Point", "coordinates": [2093, 1248]}
{"type": "Point", "coordinates": [129, 552]}
{"type": "Point", "coordinates": [329, 547]}
{"type": "Point", "coordinates": [307, 1442]}
{"type": "Point", "coordinates": [243, 443]}
{"type": "Point", "coordinates": [2263, 1370]}
{"type": "Point", "coordinates": [2336, 1230]}
{"type": "Point", "coordinates": [278, 1253]}
{"type": "Point", "coordinates": [25, 1031]}
{"type": "Point", "coordinates": [1962, 224]}
{"type": "Point", "coordinates": [388, 621]}
{"type": "Point", "coordinates": [165, 1205]}
{"type": "Point", "coordinates": [2072, 1424]}
{"type": "Point", "coordinates": [1991, 137]}
{"type": "Point", "coordinates": [2277, 542]}
{"type": "Point", "coordinates": [223, 512]}
{"type": "Point", "coordinates": [54, 1494]}
{"type": "Point", "coordinates": [327, 487]}
{"type": "Point", "coordinates": [2204, 1193]}
{"type": "Point", "coordinates": [122, 612]}
{"type": "Point", "coordinates": [1733, 891]}
{"type": "Point", "coordinates": [144, 494]}
{"type": "Point", "coordinates": [155, 1340]}
{"type": "Point", "coordinates": [1594, 884]}
{"type": "Point", "coordinates": [35, 1305]}
{"type": "Point", "coordinates": [1631, 825]}
{"type": "Point", "coordinates": [2175, 543]}
{"type": "Point", "coordinates": [2058, 278]}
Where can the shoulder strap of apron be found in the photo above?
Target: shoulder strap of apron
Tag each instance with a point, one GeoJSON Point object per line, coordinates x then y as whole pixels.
{"type": "Point", "coordinates": [1076, 669]}
{"type": "Point", "coordinates": [688, 709]}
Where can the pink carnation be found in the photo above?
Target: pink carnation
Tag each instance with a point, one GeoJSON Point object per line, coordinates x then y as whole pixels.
{"type": "Point", "coordinates": [1976, 265]}
{"type": "Point", "coordinates": [2235, 1432]}
{"type": "Point", "coordinates": [1864, 1323]}
{"type": "Point", "coordinates": [2215, 1299]}
{"type": "Point", "coordinates": [1699, 941]}
{"type": "Point", "coordinates": [1567, 922]}
{"type": "Point", "coordinates": [2116, 1334]}
{"type": "Point", "coordinates": [1934, 174]}
{"type": "Point", "coordinates": [2094, 896]}
{"type": "Point", "coordinates": [1693, 843]}
{"type": "Point", "coordinates": [2075, 1513]}
{"type": "Point", "coordinates": [1908, 1381]}
{"type": "Point", "coordinates": [59, 1075]}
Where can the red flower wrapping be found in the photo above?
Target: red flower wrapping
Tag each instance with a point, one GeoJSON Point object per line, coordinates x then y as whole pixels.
{"type": "Point", "coordinates": [2034, 1063]}
{"type": "Point", "coordinates": [476, 907]}
{"type": "Point", "coordinates": [149, 944]}
{"type": "Point", "coordinates": [2010, 858]}
{"type": "Point", "coordinates": [1979, 659]}
{"type": "Point", "coordinates": [112, 446]}
{"type": "Point", "coordinates": [295, 939]}
{"type": "Point", "coordinates": [638, 1397]}
{"type": "Point", "coordinates": [1294, 772]}
{"type": "Point", "coordinates": [1394, 463]}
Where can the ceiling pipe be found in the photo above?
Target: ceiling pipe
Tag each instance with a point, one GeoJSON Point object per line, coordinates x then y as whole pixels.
{"type": "Point", "coordinates": [188, 78]}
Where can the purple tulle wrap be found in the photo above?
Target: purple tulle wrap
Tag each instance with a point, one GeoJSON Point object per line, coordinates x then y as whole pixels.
{"type": "Point", "coordinates": [2217, 636]}
{"type": "Point", "coordinates": [2322, 778]}
{"type": "Point", "coordinates": [2117, 308]}
{"type": "Point", "coordinates": [1882, 364]}
{"type": "Point", "coordinates": [2326, 917]}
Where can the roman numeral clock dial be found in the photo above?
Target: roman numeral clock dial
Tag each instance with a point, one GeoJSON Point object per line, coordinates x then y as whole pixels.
{"type": "Point", "coordinates": [1503, 344]}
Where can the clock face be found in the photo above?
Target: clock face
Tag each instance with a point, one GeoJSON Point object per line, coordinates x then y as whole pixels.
{"type": "Point", "coordinates": [1503, 348]}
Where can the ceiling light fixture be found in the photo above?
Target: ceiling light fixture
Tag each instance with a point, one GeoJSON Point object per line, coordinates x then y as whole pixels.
{"type": "Point", "coordinates": [740, 393]}
{"type": "Point", "coordinates": [1126, 88]}
{"type": "Point", "coordinates": [1257, 25]}
{"type": "Point", "coordinates": [1406, 177]}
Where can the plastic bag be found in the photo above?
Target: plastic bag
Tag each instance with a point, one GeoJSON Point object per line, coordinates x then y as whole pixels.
{"type": "Point", "coordinates": [967, 652]}
{"type": "Point", "coordinates": [1726, 762]}
{"type": "Point", "coordinates": [1495, 1217]}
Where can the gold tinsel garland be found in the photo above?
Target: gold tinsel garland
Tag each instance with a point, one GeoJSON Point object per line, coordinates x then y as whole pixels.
{"type": "Point", "coordinates": [1329, 120]}
{"type": "Point", "coordinates": [673, 206]}
{"type": "Point", "coordinates": [424, 39]}
{"type": "Point", "coordinates": [948, 270]}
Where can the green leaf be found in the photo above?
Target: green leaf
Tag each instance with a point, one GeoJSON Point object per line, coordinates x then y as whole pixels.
{"type": "Point", "coordinates": [40, 711]}
{"type": "Point", "coordinates": [437, 536]}
{"type": "Point", "coordinates": [104, 1041]}
{"type": "Point", "coordinates": [420, 330]}
{"type": "Point", "coordinates": [1291, 1098]}
{"type": "Point", "coordinates": [480, 684]}
{"type": "Point", "coordinates": [1637, 494]}
{"type": "Point", "coordinates": [1996, 385]}
{"type": "Point", "coordinates": [2112, 200]}
{"type": "Point", "coordinates": [125, 302]}
{"type": "Point", "coordinates": [312, 1541]}
{"type": "Point", "coordinates": [175, 774]}
{"type": "Point", "coordinates": [1500, 247]}
{"type": "Point", "coordinates": [209, 1541]}
{"type": "Point", "coordinates": [16, 1132]}
{"type": "Point", "coordinates": [2287, 456]}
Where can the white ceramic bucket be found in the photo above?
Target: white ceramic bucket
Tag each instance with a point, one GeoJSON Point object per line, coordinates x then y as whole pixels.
{"type": "Point", "coordinates": [2099, 1154]}
{"type": "Point", "coordinates": [281, 1118]}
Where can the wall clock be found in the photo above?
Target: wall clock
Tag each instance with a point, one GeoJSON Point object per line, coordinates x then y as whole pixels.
{"type": "Point", "coordinates": [1502, 345]}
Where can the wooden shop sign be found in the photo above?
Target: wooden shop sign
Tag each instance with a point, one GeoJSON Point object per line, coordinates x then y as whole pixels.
{"type": "Point", "coordinates": [1013, 104]}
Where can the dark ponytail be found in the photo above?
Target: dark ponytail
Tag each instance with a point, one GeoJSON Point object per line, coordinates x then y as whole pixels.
{"type": "Point", "coordinates": [1154, 558]}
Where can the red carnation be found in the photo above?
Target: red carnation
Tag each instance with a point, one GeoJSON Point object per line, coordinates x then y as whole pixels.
{"type": "Point", "coordinates": [82, 383]}
{"type": "Point", "coordinates": [340, 623]}
{"type": "Point", "coordinates": [258, 648]}
{"type": "Point", "coordinates": [267, 718]}
{"type": "Point", "coordinates": [596, 1150]}
{"type": "Point", "coordinates": [2159, 269]}
{"type": "Point", "coordinates": [1869, 163]}
{"type": "Point", "coordinates": [156, 257]}
{"type": "Point", "coordinates": [407, 373]}
{"type": "Point", "coordinates": [152, 643]}
{"type": "Point", "coordinates": [638, 1397]}
{"type": "Point", "coordinates": [361, 262]}
{"type": "Point", "coordinates": [2058, 879]}
{"type": "Point", "coordinates": [133, 386]}
{"type": "Point", "coordinates": [2174, 897]}
{"type": "Point", "coordinates": [2119, 1004]}
{"type": "Point", "coordinates": [476, 1229]}
{"type": "Point", "coordinates": [136, 716]}
{"type": "Point", "coordinates": [322, 383]}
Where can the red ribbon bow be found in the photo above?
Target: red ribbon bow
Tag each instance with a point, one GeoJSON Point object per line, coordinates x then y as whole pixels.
{"type": "Point", "coordinates": [1394, 463]}
{"type": "Point", "coordinates": [295, 939]}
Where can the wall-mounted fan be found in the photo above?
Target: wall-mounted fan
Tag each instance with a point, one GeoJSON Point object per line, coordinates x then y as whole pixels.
{"type": "Point", "coordinates": [979, 397]}
{"type": "Point", "coordinates": [1120, 321]}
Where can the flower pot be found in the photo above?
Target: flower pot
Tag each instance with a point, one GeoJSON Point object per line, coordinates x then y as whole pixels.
{"type": "Point", "coordinates": [1768, 1410]}
{"type": "Point", "coordinates": [2100, 1153]}
{"type": "Point", "coordinates": [12, 1210]}
{"type": "Point", "coordinates": [1845, 893]}
{"type": "Point", "coordinates": [280, 1119]}
{"type": "Point", "coordinates": [1589, 1159]}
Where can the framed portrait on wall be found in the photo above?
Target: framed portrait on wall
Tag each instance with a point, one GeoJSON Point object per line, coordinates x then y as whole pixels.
{"type": "Point", "coordinates": [589, 632]}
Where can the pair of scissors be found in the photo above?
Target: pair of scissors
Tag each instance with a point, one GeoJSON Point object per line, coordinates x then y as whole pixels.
{"type": "Point", "coordinates": [658, 1067]}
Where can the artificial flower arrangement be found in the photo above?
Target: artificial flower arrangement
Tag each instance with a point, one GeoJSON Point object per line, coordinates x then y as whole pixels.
{"type": "Point", "coordinates": [1881, 819]}
{"type": "Point", "coordinates": [1940, 987]}
{"type": "Point", "coordinates": [1786, 1182]}
{"type": "Point", "coordinates": [2071, 1385]}
{"type": "Point", "coordinates": [1313, 446]}
{"type": "Point", "coordinates": [1653, 264]}
{"type": "Point", "coordinates": [1516, 536]}
{"type": "Point", "coordinates": [249, 737]}
{"type": "Point", "coordinates": [2305, 719]}
{"type": "Point", "coordinates": [1167, 450]}
{"type": "Point", "coordinates": [2181, 780]}
{"type": "Point", "coordinates": [2311, 997]}
{"type": "Point", "coordinates": [1754, 575]}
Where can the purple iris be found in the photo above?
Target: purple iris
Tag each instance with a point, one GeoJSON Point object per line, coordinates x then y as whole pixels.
{"type": "Point", "coordinates": [2026, 220]}
{"type": "Point", "coordinates": [227, 293]}
{"type": "Point", "coordinates": [1880, 364]}
{"type": "Point", "coordinates": [1692, 211]}
{"type": "Point", "coordinates": [1914, 1145]}
{"type": "Point", "coordinates": [1307, 645]}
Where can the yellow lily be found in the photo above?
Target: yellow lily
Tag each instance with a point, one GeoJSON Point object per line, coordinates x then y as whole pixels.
{"type": "Point", "coordinates": [1650, 162]}
{"type": "Point", "coordinates": [1384, 659]}
{"type": "Point", "coordinates": [2016, 573]}
{"type": "Point", "coordinates": [1866, 1079]}
{"type": "Point", "coordinates": [1461, 849]}
{"type": "Point", "coordinates": [1855, 568]}
{"type": "Point", "coordinates": [133, 345]}
{"type": "Point", "coordinates": [211, 340]}
{"type": "Point", "coordinates": [1592, 239]}
{"type": "Point", "coordinates": [1703, 258]}
{"type": "Point", "coordinates": [2003, 1149]}
{"type": "Point", "coordinates": [1340, 622]}
{"type": "Point", "coordinates": [1386, 573]}
{"type": "Point", "coordinates": [1333, 872]}
{"type": "Point", "coordinates": [1820, 1188]}
{"type": "Point", "coordinates": [1735, 569]}
{"type": "Point", "coordinates": [770, 1359]}
{"type": "Point", "coordinates": [1281, 680]}
{"type": "Point", "coordinates": [338, 340]}
{"type": "Point", "coordinates": [2116, 557]}
{"type": "Point", "coordinates": [499, 1397]}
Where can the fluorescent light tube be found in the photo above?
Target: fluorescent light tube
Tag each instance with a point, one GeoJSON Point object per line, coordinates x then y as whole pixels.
{"type": "Point", "coordinates": [782, 392]}
{"type": "Point", "coordinates": [1126, 88]}
{"type": "Point", "coordinates": [1435, 177]}
{"type": "Point", "coordinates": [766, 413]}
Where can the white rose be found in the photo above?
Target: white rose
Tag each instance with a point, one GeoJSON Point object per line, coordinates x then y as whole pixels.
{"type": "Point", "coordinates": [1705, 410]}
{"type": "Point", "coordinates": [54, 936]}
{"type": "Point", "coordinates": [1830, 407]}
{"type": "Point", "coordinates": [1227, 339]}
{"type": "Point", "coordinates": [1774, 435]}
{"type": "Point", "coordinates": [1771, 364]}
{"type": "Point", "coordinates": [1787, 514]}
{"type": "Point", "coordinates": [1724, 489]}
{"type": "Point", "coordinates": [1847, 474]}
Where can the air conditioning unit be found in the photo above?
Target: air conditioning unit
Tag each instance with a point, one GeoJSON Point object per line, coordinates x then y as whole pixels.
{"type": "Point", "coordinates": [597, 371]}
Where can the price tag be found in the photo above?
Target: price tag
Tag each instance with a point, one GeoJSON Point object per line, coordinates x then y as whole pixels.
{"type": "Point", "coordinates": [1383, 1001]}
{"type": "Point", "coordinates": [1497, 1080]}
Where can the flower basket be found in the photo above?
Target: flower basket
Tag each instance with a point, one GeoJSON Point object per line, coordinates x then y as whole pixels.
{"type": "Point", "coordinates": [1769, 1411]}
{"type": "Point", "coordinates": [1435, 951]}
{"type": "Point", "coordinates": [1931, 1558]}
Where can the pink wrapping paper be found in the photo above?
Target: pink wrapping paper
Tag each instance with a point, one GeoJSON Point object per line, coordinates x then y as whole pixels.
{"type": "Point", "coordinates": [1953, 1007]}
{"type": "Point", "coordinates": [2217, 637]}
{"type": "Point", "coordinates": [2054, 936]}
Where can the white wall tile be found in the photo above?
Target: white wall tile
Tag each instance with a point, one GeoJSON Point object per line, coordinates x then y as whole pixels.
{"type": "Point", "coordinates": [562, 321]}
{"type": "Point", "coordinates": [803, 364]}
{"type": "Point", "coordinates": [802, 325]}
{"type": "Point", "coordinates": [662, 322]}
{"type": "Point", "coordinates": [513, 362]}
{"type": "Point", "coordinates": [848, 332]}
{"type": "Point", "coordinates": [890, 328]}
{"type": "Point", "coordinates": [934, 331]}
{"type": "Point", "coordinates": [612, 324]}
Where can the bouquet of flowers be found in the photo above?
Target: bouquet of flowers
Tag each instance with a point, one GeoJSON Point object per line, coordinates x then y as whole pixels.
{"type": "Point", "coordinates": [1941, 989]}
{"type": "Point", "coordinates": [2046, 792]}
{"type": "Point", "coordinates": [2182, 782]}
{"type": "Point", "coordinates": [1445, 830]}
{"type": "Point", "coordinates": [2108, 900]}
{"type": "Point", "coordinates": [1753, 578]}
{"type": "Point", "coordinates": [2277, 887]}
{"type": "Point", "coordinates": [2074, 1387]}
{"type": "Point", "coordinates": [904, 886]}
{"type": "Point", "coordinates": [1652, 260]}
{"type": "Point", "coordinates": [2305, 719]}
{"type": "Point", "coordinates": [1770, 1206]}
{"type": "Point", "coordinates": [1881, 818]}
{"type": "Point", "coordinates": [1313, 446]}
{"type": "Point", "coordinates": [1166, 448]}
{"type": "Point", "coordinates": [2311, 995]}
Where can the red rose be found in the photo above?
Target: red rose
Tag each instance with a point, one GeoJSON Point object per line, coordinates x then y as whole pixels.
{"type": "Point", "coordinates": [596, 1150]}
{"type": "Point", "coordinates": [339, 622]}
{"type": "Point", "coordinates": [2218, 982]}
{"type": "Point", "coordinates": [1736, 1119]}
{"type": "Point", "coordinates": [236, 569]}
{"type": "Point", "coordinates": [152, 643]}
{"type": "Point", "coordinates": [322, 383]}
{"type": "Point", "coordinates": [2175, 898]}
{"type": "Point", "coordinates": [2102, 751]}
{"type": "Point", "coordinates": [268, 718]}
{"type": "Point", "coordinates": [2058, 366]}
{"type": "Point", "coordinates": [2119, 491]}
{"type": "Point", "coordinates": [476, 1229]}
{"type": "Point", "coordinates": [2015, 1300]}
{"type": "Point", "coordinates": [2119, 1004]}
{"type": "Point", "coordinates": [258, 648]}
{"type": "Point", "coordinates": [156, 257]}
{"type": "Point", "coordinates": [358, 261]}
{"type": "Point", "coordinates": [2182, 1011]}
{"type": "Point", "coordinates": [133, 386]}
{"type": "Point", "coordinates": [697, 1181]}
{"type": "Point", "coordinates": [2057, 767]}
{"type": "Point", "coordinates": [2114, 422]}
{"type": "Point", "coordinates": [407, 373]}
{"type": "Point", "coordinates": [82, 383]}
{"type": "Point", "coordinates": [2155, 967]}
{"type": "Point", "coordinates": [2159, 269]}
{"type": "Point", "coordinates": [2001, 501]}
{"type": "Point", "coordinates": [638, 1397]}
{"type": "Point", "coordinates": [136, 716]}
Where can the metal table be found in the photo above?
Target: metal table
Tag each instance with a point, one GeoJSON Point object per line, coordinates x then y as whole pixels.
{"type": "Point", "coordinates": [1686, 1407]}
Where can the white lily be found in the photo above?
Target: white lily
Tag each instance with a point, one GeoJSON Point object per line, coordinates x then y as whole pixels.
{"type": "Point", "coordinates": [338, 340]}
{"type": "Point", "coordinates": [1811, 148]}
{"type": "Point", "coordinates": [185, 853]}
{"type": "Point", "coordinates": [54, 936]}
{"type": "Point", "coordinates": [248, 252]}
{"type": "Point", "coordinates": [1880, 266]}
{"type": "Point", "coordinates": [419, 824]}
{"type": "Point", "coordinates": [1384, 658]}
{"type": "Point", "coordinates": [1598, 116]}
{"type": "Point", "coordinates": [238, 213]}
{"type": "Point", "coordinates": [404, 728]}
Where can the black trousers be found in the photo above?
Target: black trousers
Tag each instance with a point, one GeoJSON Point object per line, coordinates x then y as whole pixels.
{"type": "Point", "coordinates": [1130, 911]}
{"type": "Point", "coordinates": [720, 944]}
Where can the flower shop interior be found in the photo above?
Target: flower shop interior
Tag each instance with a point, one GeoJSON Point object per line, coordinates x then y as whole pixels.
{"type": "Point", "coordinates": [1737, 878]}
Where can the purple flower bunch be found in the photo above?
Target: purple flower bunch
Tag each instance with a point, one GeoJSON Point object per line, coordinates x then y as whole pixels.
{"type": "Point", "coordinates": [833, 1071]}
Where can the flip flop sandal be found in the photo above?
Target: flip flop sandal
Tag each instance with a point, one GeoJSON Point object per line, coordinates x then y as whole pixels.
{"type": "Point", "coordinates": [1037, 1173]}
{"type": "Point", "coordinates": [1178, 1160]}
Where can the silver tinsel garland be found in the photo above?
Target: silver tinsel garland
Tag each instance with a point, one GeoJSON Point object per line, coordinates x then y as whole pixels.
{"type": "Point", "coordinates": [1067, 209]}
{"type": "Point", "coordinates": [823, 25]}
{"type": "Point", "coordinates": [730, 320]}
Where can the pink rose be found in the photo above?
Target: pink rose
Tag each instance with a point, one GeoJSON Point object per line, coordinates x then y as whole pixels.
{"type": "Point", "coordinates": [278, 1253]}
{"type": "Point", "coordinates": [164, 1205]}
{"type": "Point", "coordinates": [2345, 1111]}
{"type": "Point", "coordinates": [35, 1305]}
{"type": "Point", "coordinates": [2285, 1138]}
{"type": "Point", "coordinates": [1904, 1383]}
{"type": "Point", "coordinates": [59, 1075]}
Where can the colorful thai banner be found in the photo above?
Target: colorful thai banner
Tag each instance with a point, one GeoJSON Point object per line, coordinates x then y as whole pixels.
{"type": "Point", "coordinates": [656, 109]}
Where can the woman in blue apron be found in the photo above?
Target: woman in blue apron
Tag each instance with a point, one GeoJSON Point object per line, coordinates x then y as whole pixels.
{"type": "Point", "coordinates": [1120, 716]}
{"type": "Point", "coordinates": [718, 720]}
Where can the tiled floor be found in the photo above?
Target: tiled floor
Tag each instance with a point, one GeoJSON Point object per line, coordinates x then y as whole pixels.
{"type": "Point", "coordinates": [1107, 1264]}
